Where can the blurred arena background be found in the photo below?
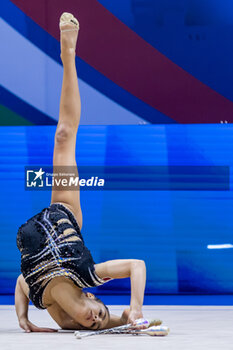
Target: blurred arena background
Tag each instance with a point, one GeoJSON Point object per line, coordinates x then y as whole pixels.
{"type": "Point", "coordinates": [156, 87]}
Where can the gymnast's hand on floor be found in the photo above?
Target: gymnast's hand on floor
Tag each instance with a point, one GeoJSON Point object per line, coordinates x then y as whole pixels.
{"type": "Point", "coordinates": [30, 327]}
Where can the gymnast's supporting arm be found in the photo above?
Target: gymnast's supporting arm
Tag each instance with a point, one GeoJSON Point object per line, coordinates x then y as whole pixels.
{"type": "Point", "coordinates": [21, 306]}
{"type": "Point", "coordinates": [136, 270]}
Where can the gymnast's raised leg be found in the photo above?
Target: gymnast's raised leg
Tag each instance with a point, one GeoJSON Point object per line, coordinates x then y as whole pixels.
{"type": "Point", "coordinates": [69, 115]}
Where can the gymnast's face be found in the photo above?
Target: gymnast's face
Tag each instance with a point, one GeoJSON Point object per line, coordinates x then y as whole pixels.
{"type": "Point", "coordinates": [96, 315]}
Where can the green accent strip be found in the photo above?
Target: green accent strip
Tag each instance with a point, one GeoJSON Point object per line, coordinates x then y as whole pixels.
{"type": "Point", "coordinates": [8, 117]}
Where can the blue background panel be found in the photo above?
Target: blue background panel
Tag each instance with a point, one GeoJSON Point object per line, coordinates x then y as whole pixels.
{"type": "Point", "coordinates": [170, 230]}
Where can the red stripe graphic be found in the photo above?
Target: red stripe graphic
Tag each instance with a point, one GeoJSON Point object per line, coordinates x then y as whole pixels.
{"type": "Point", "coordinates": [121, 55]}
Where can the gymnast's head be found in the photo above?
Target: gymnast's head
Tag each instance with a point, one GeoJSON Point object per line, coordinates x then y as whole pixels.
{"type": "Point", "coordinates": [96, 315]}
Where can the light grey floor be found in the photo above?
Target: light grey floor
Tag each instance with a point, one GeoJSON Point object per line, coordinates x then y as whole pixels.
{"type": "Point", "coordinates": [192, 327]}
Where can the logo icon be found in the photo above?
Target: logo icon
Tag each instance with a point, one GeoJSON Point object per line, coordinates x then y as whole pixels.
{"type": "Point", "coordinates": [35, 178]}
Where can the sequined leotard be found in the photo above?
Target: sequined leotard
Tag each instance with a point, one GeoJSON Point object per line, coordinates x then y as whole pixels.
{"type": "Point", "coordinates": [52, 245]}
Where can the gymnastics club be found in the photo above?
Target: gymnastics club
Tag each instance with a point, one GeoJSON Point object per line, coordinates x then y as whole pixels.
{"type": "Point", "coordinates": [152, 331]}
{"type": "Point", "coordinates": [139, 322]}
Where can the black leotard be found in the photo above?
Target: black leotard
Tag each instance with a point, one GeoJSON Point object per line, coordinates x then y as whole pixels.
{"type": "Point", "coordinates": [52, 245]}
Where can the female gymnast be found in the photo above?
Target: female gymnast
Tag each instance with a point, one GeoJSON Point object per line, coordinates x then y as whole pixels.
{"type": "Point", "coordinates": [55, 263]}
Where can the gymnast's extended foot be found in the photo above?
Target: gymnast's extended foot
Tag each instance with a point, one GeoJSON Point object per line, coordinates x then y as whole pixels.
{"type": "Point", "coordinates": [69, 28]}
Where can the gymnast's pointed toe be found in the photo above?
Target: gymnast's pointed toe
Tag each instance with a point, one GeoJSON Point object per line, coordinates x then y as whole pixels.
{"type": "Point", "coordinates": [68, 22]}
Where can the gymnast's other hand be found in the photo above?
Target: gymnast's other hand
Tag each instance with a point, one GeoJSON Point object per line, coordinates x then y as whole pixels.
{"type": "Point", "coordinates": [133, 315]}
{"type": "Point", "coordinates": [30, 327]}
